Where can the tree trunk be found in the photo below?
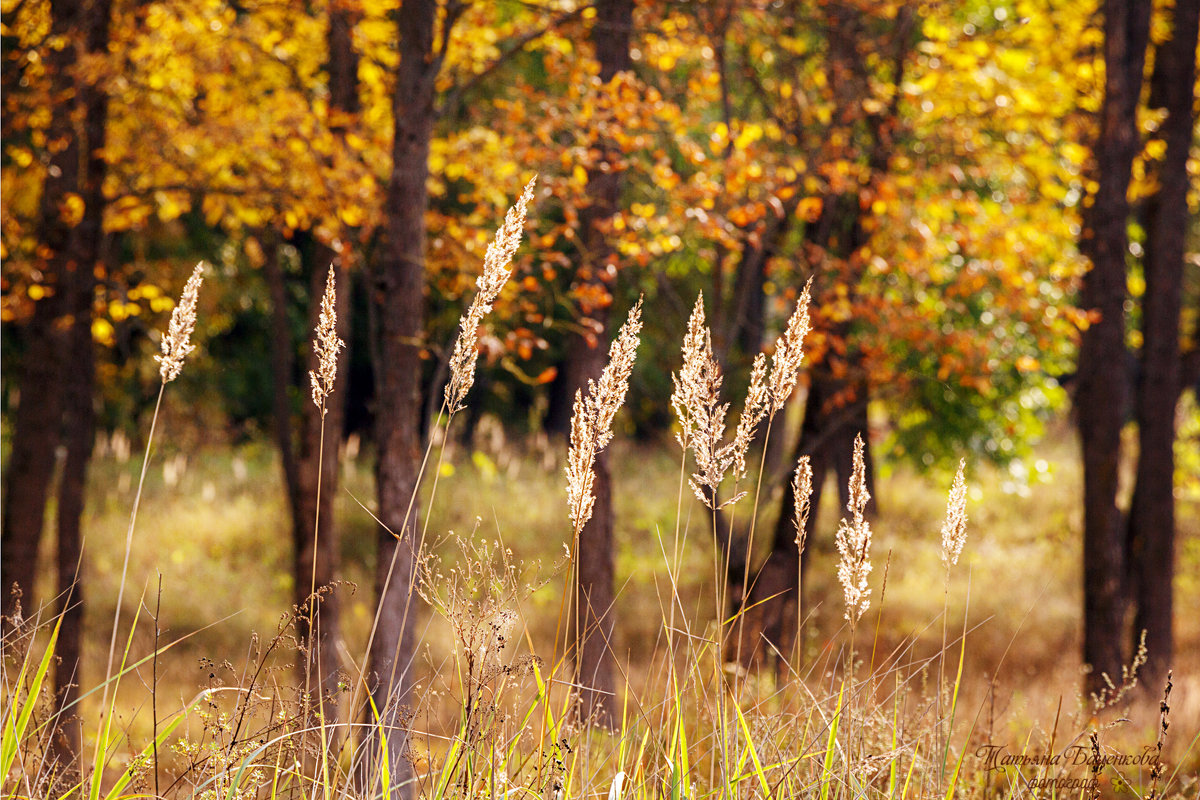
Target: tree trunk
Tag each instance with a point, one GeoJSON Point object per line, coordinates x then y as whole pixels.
{"type": "Point", "coordinates": [41, 371]}
{"type": "Point", "coordinates": [836, 405]}
{"type": "Point", "coordinates": [398, 294]}
{"type": "Point", "coordinates": [79, 434]}
{"type": "Point", "coordinates": [283, 369]}
{"type": "Point", "coordinates": [1152, 513]}
{"type": "Point", "coordinates": [79, 383]}
{"type": "Point", "coordinates": [299, 435]}
{"type": "Point", "coordinates": [1103, 386]}
{"type": "Point", "coordinates": [594, 657]}
{"type": "Point", "coordinates": [744, 331]}
{"type": "Point", "coordinates": [747, 322]}
{"type": "Point", "coordinates": [835, 412]}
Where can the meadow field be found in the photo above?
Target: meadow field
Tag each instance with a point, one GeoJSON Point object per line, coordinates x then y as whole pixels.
{"type": "Point", "coordinates": [955, 230]}
{"type": "Point", "coordinates": [943, 669]}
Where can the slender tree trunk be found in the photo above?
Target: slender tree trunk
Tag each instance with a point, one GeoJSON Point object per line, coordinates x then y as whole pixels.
{"type": "Point", "coordinates": [398, 286]}
{"type": "Point", "coordinates": [40, 375]}
{"type": "Point", "coordinates": [835, 412]}
{"type": "Point", "coordinates": [60, 335]}
{"type": "Point", "coordinates": [836, 404]}
{"type": "Point", "coordinates": [594, 656]}
{"type": "Point", "coordinates": [745, 328]}
{"type": "Point", "coordinates": [1103, 386]}
{"type": "Point", "coordinates": [1152, 513]}
{"type": "Point", "coordinates": [747, 322]}
{"type": "Point", "coordinates": [79, 435]}
{"type": "Point", "coordinates": [80, 419]}
{"type": "Point", "coordinates": [298, 434]}
{"type": "Point", "coordinates": [283, 369]}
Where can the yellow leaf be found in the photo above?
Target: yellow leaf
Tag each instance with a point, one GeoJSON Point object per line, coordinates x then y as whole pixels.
{"type": "Point", "coordinates": [809, 209]}
{"type": "Point", "coordinates": [71, 208]}
{"type": "Point", "coordinates": [254, 252]}
{"type": "Point", "coordinates": [102, 331]}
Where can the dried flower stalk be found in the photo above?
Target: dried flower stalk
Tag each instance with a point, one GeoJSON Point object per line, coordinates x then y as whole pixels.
{"type": "Point", "coordinates": [802, 500]}
{"type": "Point", "coordinates": [752, 413]}
{"type": "Point", "coordinates": [176, 340]}
{"type": "Point", "coordinates": [702, 418]}
{"type": "Point", "coordinates": [691, 382]}
{"type": "Point", "coordinates": [854, 541]}
{"type": "Point", "coordinates": [954, 529]}
{"type": "Point", "coordinates": [591, 423]}
{"type": "Point", "coordinates": [496, 271]}
{"type": "Point", "coordinates": [789, 352]}
{"type": "Point", "coordinates": [327, 346]}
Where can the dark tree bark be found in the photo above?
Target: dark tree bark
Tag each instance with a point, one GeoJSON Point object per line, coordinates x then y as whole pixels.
{"type": "Point", "coordinates": [283, 368]}
{"type": "Point", "coordinates": [594, 657]}
{"type": "Point", "coordinates": [57, 372]}
{"type": "Point", "coordinates": [307, 466]}
{"type": "Point", "coordinates": [1152, 513]}
{"type": "Point", "coordinates": [745, 321]}
{"type": "Point", "coordinates": [835, 412]}
{"type": "Point", "coordinates": [79, 420]}
{"type": "Point", "coordinates": [1103, 386]}
{"type": "Point", "coordinates": [79, 434]}
{"type": "Point", "coordinates": [836, 405]}
{"type": "Point", "coordinates": [40, 374]}
{"type": "Point", "coordinates": [743, 338]}
{"type": "Point", "coordinates": [397, 294]}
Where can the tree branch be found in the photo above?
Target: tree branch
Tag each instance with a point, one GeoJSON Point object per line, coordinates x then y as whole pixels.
{"type": "Point", "coordinates": [453, 97]}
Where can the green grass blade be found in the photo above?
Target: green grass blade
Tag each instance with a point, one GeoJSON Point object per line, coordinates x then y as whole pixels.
{"type": "Point", "coordinates": [758, 767]}
{"type": "Point", "coordinates": [104, 739]}
{"type": "Point", "coordinates": [830, 746]}
{"type": "Point", "coordinates": [115, 792]}
{"type": "Point", "coordinates": [953, 709]}
{"type": "Point", "coordinates": [14, 729]}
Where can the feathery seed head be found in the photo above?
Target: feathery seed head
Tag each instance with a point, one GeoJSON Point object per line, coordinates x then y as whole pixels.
{"type": "Point", "coordinates": [702, 417]}
{"type": "Point", "coordinates": [591, 422]}
{"type": "Point", "coordinates": [176, 340]}
{"type": "Point", "coordinates": [327, 346]}
{"type": "Point", "coordinates": [752, 413]}
{"type": "Point", "coordinates": [697, 353]}
{"type": "Point", "coordinates": [954, 529]}
{"type": "Point", "coordinates": [789, 352]}
{"type": "Point", "coordinates": [854, 541]}
{"type": "Point", "coordinates": [496, 271]}
{"type": "Point", "coordinates": [802, 499]}
{"type": "Point", "coordinates": [580, 459]}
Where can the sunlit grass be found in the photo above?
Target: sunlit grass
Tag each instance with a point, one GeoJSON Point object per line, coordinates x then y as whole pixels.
{"type": "Point", "coordinates": [214, 526]}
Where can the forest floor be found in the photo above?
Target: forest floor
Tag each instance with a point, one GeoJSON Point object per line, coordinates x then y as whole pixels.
{"type": "Point", "coordinates": [213, 532]}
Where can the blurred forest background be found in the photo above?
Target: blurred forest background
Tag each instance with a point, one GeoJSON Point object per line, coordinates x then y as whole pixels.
{"type": "Point", "coordinates": [995, 200]}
